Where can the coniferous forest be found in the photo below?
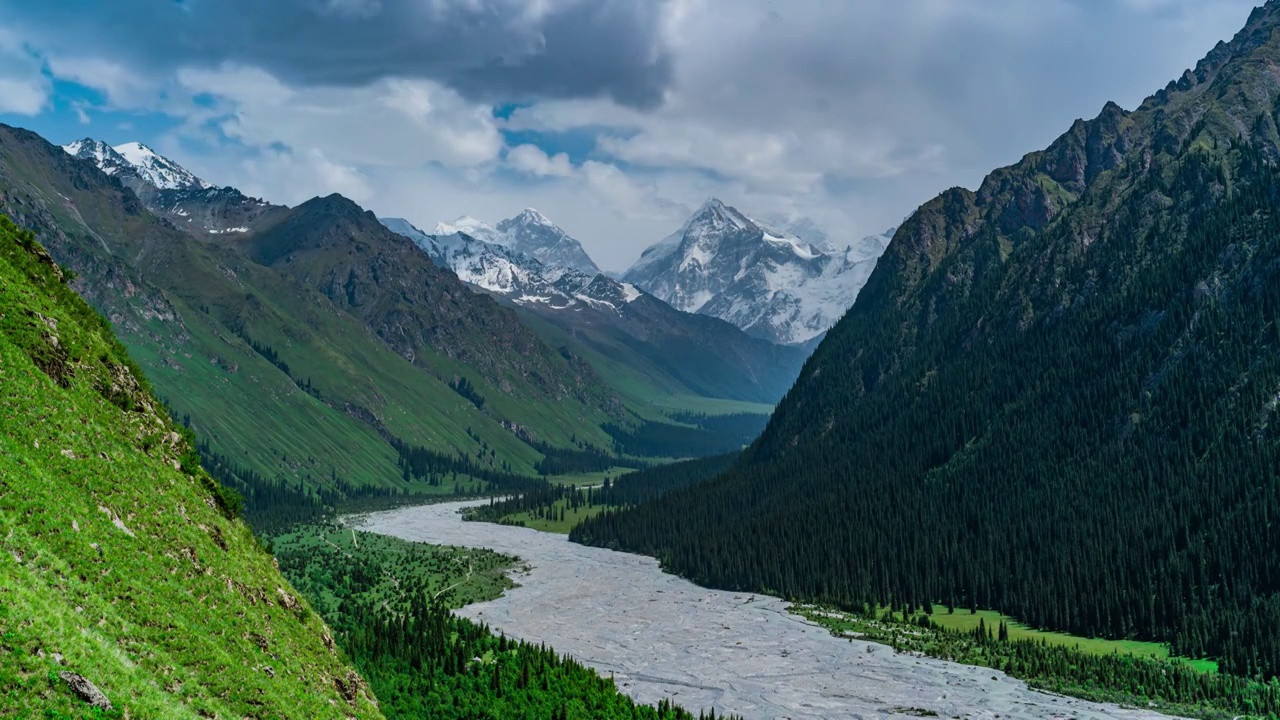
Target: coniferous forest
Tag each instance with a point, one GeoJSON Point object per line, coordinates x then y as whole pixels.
{"type": "Point", "coordinates": [388, 602]}
{"type": "Point", "coordinates": [1055, 398]}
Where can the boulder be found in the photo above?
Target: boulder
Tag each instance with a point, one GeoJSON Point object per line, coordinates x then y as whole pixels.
{"type": "Point", "coordinates": [85, 690]}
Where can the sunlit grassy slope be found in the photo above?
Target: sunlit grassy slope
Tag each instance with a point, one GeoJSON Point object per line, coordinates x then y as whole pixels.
{"type": "Point", "coordinates": [118, 560]}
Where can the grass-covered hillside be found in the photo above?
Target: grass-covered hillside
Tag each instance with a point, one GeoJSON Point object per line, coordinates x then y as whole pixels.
{"type": "Point", "coordinates": [119, 558]}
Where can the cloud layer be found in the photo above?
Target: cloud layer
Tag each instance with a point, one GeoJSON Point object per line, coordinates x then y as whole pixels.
{"type": "Point", "coordinates": [614, 117]}
{"type": "Point", "coordinates": [490, 50]}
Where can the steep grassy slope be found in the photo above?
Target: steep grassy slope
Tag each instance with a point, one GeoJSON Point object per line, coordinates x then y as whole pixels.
{"type": "Point", "coordinates": [1055, 398]}
{"type": "Point", "coordinates": [119, 561]}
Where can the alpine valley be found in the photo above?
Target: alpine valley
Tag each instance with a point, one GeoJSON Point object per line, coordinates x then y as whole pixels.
{"type": "Point", "coordinates": [314, 348]}
{"type": "Point", "coordinates": [1017, 457]}
{"type": "Point", "coordinates": [129, 587]}
{"type": "Point", "coordinates": [314, 359]}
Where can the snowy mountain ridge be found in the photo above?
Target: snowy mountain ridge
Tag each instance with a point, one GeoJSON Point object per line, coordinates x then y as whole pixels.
{"type": "Point", "coordinates": [461, 246]}
{"type": "Point", "coordinates": [173, 192]}
{"type": "Point", "coordinates": [134, 157]}
{"type": "Point", "coordinates": [530, 233]}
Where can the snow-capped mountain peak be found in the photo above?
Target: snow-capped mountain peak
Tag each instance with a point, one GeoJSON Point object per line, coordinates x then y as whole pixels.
{"type": "Point", "coordinates": [158, 170]}
{"type": "Point", "coordinates": [766, 280]}
{"type": "Point", "coordinates": [499, 269]}
{"type": "Point", "coordinates": [529, 216]}
{"type": "Point", "coordinates": [102, 155]}
{"type": "Point", "coordinates": [715, 215]}
{"type": "Point", "coordinates": [533, 234]}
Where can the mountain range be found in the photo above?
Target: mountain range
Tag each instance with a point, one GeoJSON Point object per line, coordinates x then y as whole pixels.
{"type": "Point", "coordinates": [1055, 397]}
{"type": "Point", "coordinates": [768, 282]}
{"type": "Point", "coordinates": [173, 192]}
{"type": "Point", "coordinates": [314, 347]}
{"type": "Point", "coordinates": [783, 281]}
{"type": "Point", "coordinates": [639, 343]}
{"type": "Point", "coordinates": [643, 349]}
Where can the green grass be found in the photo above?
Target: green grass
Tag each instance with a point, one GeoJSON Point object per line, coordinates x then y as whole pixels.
{"type": "Point", "coordinates": [114, 554]}
{"type": "Point", "coordinates": [968, 622]}
{"type": "Point", "coordinates": [554, 524]}
{"type": "Point", "coordinates": [259, 417]}
{"type": "Point", "coordinates": [710, 406]}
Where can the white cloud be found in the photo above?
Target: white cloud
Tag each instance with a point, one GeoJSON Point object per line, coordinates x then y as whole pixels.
{"type": "Point", "coordinates": [393, 122]}
{"type": "Point", "coordinates": [122, 86]}
{"type": "Point", "coordinates": [288, 177]}
{"type": "Point", "coordinates": [532, 160]}
{"type": "Point", "coordinates": [24, 90]}
{"type": "Point", "coordinates": [21, 95]}
{"type": "Point", "coordinates": [629, 198]}
{"type": "Point", "coordinates": [614, 216]}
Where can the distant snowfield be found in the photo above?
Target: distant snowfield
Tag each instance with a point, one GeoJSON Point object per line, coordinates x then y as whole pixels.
{"type": "Point", "coordinates": [663, 637]}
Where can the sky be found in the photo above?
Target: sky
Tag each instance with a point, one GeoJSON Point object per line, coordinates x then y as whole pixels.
{"type": "Point", "coordinates": [615, 118]}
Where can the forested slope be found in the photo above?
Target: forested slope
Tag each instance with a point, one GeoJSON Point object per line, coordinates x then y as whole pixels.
{"type": "Point", "coordinates": [1056, 397]}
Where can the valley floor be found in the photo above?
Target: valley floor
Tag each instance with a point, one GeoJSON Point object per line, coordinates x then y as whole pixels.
{"type": "Point", "coordinates": [663, 637]}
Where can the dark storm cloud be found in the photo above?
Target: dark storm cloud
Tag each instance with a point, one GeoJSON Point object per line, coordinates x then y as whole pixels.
{"type": "Point", "coordinates": [485, 49]}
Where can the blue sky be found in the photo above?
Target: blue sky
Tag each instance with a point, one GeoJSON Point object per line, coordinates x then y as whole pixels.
{"type": "Point", "coordinates": [615, 118]}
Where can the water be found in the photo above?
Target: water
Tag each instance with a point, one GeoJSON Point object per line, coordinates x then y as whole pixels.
{"type": "Point", "coordinates": [664, 637]}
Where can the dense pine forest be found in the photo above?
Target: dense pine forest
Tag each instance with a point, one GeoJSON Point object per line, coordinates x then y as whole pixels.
{"type": "Point", "coordinates": [388, 602]}
{"type": "Point", "coordinates": [1056, 397]}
